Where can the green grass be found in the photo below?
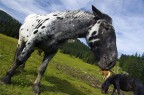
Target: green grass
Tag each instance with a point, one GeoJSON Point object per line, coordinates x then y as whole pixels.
{"type": "Point", "coordinates": [65, 75]}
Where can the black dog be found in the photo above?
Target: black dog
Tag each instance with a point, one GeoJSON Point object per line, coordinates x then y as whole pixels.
{"type": "Point", "coordinates": [125, 83]}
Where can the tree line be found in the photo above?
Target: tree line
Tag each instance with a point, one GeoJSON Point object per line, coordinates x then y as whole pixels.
{"type": "Point", "coordinates": [133, 64]}
{"type": "Point", "coordinates": [79, 50]}
{"type": "Point", "coordinates": [8, 25]}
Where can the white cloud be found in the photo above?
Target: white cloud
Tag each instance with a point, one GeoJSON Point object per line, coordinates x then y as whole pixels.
{"type": "Point", "coordinates": [130, 34]}
{"type": "Point", "coordinates": [127, 16]}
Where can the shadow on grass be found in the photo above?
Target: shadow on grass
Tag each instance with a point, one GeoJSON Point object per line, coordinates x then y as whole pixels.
{"type": "Point", "coordinates": [60, 86]}
{"type": "Point", "coordinates": [24, 78]}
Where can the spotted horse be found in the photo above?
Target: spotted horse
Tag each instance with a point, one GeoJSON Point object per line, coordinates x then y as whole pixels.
{"type": "Point", "coordinates": [49, 32]}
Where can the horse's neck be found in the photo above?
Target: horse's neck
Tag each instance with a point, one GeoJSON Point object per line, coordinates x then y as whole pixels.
{"type": "Point", "coordinates": [77, 24]}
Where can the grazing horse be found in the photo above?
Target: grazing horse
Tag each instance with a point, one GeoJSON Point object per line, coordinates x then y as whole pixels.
{"type": "Point", "coordinates": [49, 32]}
{"type": "Point", "coordinates": [125, 83]}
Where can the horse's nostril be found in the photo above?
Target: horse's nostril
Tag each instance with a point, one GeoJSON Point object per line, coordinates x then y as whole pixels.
{"type": "Point", "coordinates": [111, 64]}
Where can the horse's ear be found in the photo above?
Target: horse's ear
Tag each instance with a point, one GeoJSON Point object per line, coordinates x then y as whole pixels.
{"type": "Point", "coordinates": [96, 12]}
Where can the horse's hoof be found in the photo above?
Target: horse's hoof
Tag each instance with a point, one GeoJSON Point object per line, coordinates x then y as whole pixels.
{"type": "Point", "coordinates": [6, 80]}
{"type": "Point", "coordinates": [36, 89]}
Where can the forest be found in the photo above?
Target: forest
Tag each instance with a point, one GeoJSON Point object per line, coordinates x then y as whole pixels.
{"type": "Point", "coordinates": [8, 25]}
{"type": "Point", "coordinates": [133, 65]}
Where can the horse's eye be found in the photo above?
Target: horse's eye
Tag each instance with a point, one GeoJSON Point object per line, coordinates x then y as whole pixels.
{"type": "Point", "coordinates": [107, 28]}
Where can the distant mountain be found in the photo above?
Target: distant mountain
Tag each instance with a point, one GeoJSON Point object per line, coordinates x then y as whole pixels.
{"type": "Point", "coordinates": [8, 25]}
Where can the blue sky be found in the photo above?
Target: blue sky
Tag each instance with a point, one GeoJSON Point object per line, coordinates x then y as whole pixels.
{"type": "Point", "coordinates": [127, 15]}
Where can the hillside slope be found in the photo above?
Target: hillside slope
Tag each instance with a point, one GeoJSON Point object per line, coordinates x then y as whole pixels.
{"type": "Point", "coordinates": [65, 75]}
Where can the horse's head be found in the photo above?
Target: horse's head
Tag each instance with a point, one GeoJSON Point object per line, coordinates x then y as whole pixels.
{"type": "Point", "coordinates": [105, 87]}
{"type": "Point", "coordinates": [102, 40]}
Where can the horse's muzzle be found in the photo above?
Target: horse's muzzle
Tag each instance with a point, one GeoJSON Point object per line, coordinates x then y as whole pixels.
{"type": "Point", "coordinates": [108, 66]}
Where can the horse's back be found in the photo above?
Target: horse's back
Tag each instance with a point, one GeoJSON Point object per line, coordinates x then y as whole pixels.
{"type": "Point", "coordinates": [31, 23]}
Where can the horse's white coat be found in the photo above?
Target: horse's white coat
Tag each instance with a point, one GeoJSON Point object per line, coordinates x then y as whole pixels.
{"type": "Point", "coordinates": [31, 22]}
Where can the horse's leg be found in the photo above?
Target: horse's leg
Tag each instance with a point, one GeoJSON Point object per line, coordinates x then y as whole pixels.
{"type": "Point", "coordinates": [113, 91]}
{"type": "Point", "coordinates": [136, 93]}
{"type": "Point", "coordinates": [19, 49]}
{"type": "Point", "coordinates": [117, 86]}
{"type": "Point", "coordinates": [41, 71]}
{"type": "Point", "coordinates": [20, 59]}
{"type": "Point", "coordinates": [23, 64]}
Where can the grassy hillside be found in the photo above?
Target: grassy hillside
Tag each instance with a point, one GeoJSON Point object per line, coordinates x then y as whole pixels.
{"type": "Point", "coordinates": [65, 75]}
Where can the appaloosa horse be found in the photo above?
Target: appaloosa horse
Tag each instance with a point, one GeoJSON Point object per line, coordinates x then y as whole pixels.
{"type": "Point", "coordinates": [125, 83]}
{"type": "Point", "coordinates": [49, 32]}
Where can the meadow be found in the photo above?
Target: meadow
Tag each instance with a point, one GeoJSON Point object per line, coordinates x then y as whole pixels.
{"type": "Point", "coordinates": [65, 75]}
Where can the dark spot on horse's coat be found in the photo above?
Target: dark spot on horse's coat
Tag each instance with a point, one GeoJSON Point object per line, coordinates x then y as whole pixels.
{"type": "Point", "coordinates": [22, 29]}
{"type": "Point", "coordinates": [47, 32]}
{"type": "Point", "coordinates": [53, 28]}
{"type": "Point", "coordinates": [98, 22]}
{"type": "Point", "coordinates": [42, 37]}
{"type": "Point", "coordinates": [47, 19]}
{"type": "Point", "coordinates": [35, 31]}
{"type": "Point", "coordinates": [39, 25]}
{"type": "Point", "coordinates": [55, 15]}
{"type": "Point", "coordinates": [49, 36]}
{"type": "Point", "coordinates": [94, 32]}
{"type": "Point", "coordinates": [27, 29]}
{"type": "Point", "coordinates": [59, 18]}
{"type": "Point", "coordinates": [40, 33]}
{"type": "Point", "coordinates": [28, 43]}
{"type": "Point", "coordinates": [38, 20]}
{"type": "Point", "coordinates": [32, 25]}
{"type": "Point", "coordinates": [42, 27]}
{"type": "Point", "coordinates": [27, 36]}
{"type": "Point", "coordinates": [75, 17]}
{"type": "Point", "coordinates": [37, 16]}
{"type": "Point", "coordinates": [23, 53]}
